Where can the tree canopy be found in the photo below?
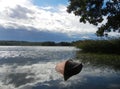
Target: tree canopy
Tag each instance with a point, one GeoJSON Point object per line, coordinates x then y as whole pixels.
{"type": "Point", "coordinates": [94, 12]}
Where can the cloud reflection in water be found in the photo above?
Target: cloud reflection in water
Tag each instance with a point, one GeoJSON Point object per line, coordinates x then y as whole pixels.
{"type": "Point", "coordinates": [33, 68]}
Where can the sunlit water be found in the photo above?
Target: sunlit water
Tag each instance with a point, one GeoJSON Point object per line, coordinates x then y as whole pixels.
{"type": "Point", "coordinates": [26, 67]}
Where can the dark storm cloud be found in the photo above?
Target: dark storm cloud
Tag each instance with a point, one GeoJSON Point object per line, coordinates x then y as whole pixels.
{"type": "Point", "coordinates": [32, 35]}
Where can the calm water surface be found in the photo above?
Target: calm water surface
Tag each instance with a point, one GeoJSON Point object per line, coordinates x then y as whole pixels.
{"type": "Point", "coordinates": [26, 67]}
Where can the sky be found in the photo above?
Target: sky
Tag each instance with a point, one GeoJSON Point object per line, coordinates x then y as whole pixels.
{"type": "Point", "coordinates": [41, 20]}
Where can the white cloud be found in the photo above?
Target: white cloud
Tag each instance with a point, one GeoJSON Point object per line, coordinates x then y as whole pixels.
{"type": "Point", "coordinates": [114, 34]}
{"type": "Point", "coordinates": [23, 13]}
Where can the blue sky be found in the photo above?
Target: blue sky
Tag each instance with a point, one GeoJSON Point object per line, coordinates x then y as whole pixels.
{"type": "Point", "coordinates": [41, 20]}
{"type": "Point", "coordinates": [50, 2]}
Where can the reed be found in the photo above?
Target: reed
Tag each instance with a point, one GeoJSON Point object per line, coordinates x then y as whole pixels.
{"type": "Point", "coordinates": [111, 46]}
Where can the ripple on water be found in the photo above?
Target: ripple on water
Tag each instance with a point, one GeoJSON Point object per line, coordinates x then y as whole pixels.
{"type": "Point", "coordinates": [34, 68]}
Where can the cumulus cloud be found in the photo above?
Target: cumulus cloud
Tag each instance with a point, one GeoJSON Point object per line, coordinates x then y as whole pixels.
{"type": "Point", "coordinates": [23, 13]}
{"type": "Point", "coordinates": [20, 12]}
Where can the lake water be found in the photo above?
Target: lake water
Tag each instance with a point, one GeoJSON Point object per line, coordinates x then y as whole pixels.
{"type": "Point", "coordinates": [29, 67]}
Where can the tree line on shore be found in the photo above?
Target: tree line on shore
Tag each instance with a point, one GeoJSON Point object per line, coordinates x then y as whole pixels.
{"type": "Point", "coordinates": [27, 43]}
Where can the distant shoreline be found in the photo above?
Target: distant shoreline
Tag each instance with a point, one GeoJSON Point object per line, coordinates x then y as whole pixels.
{"type": "Point", "coordinates": [27, 43]}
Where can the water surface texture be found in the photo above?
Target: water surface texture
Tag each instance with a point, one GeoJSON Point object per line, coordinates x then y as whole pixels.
{"type": "Point", "coordinates": [29, 67]}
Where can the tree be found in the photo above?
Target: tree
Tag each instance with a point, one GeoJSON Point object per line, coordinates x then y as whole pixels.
{"type": "Point", "coordinates": [94, 11]}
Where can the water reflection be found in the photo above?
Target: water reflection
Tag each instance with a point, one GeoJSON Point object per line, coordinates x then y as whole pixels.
{"type": "Point", "coordinates": [18, 79]}
{"type": "Point", "coordinates": [29, 55]}
{"type": "Point", "coordinates": [33, 68]}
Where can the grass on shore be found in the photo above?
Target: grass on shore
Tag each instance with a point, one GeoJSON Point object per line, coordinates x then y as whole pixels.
{"type": "Point", "coordinates": [111, 46]}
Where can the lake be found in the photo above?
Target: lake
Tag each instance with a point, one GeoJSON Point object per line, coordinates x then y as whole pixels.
{"type": "Point", "coordinates": [33, 67]}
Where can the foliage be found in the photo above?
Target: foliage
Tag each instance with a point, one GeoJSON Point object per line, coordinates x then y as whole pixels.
{"type": "Point", "coordinates": [111, 46]}
{"type": "Point", "coordinates": [94, 11]}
